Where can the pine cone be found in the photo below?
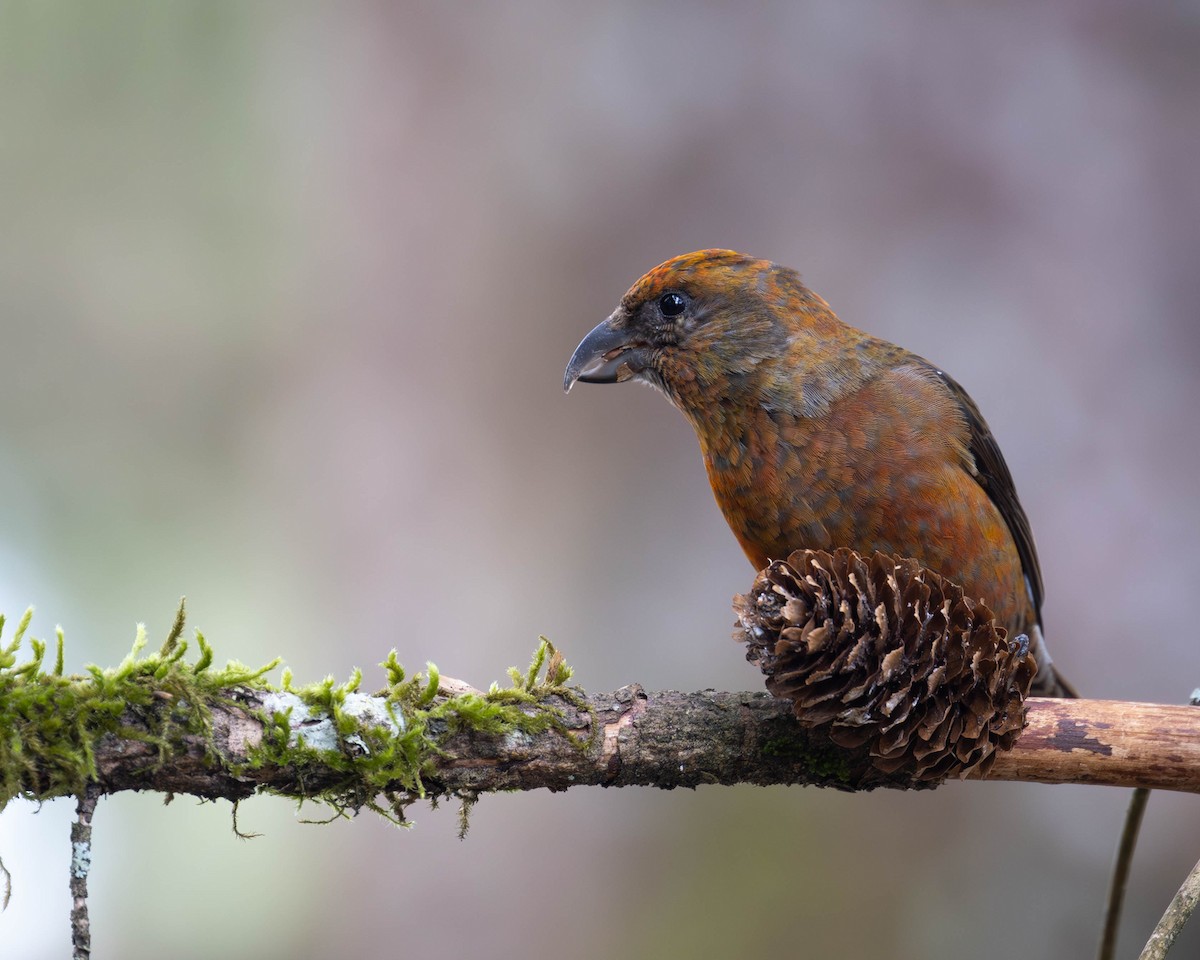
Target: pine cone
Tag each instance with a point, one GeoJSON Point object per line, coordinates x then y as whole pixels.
{"type": "Point", "coordinates": [886, 656]}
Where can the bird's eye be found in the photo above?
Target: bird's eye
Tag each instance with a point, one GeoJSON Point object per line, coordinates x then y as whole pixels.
{"type": "Point", "coordinates": [671, 304]}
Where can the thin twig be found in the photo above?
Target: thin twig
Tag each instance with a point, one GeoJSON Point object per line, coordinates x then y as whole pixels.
{"type": "Point", "coordinates": [1120, 874]}
{"type": "Point", "coordinates": [1180, 909]}
{"type": "Point", "coordinates": [81, 863]}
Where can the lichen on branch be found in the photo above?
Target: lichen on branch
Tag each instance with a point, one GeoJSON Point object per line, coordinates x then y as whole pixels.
{"type": "Point", "coordinates": [160, 721]}
{"type": "Point", "coordinates": [362, 751]}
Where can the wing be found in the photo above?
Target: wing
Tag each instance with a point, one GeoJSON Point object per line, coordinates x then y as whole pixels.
{"type": "Point", "coordinates": [992, 474]}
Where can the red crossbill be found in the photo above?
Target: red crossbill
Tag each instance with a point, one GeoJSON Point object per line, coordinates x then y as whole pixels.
{"type": "Point", "coordinates": [816, 435]}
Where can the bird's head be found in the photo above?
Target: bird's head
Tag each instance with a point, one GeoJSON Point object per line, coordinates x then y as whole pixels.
{"type": "Point", "coordinates": [703, 321]}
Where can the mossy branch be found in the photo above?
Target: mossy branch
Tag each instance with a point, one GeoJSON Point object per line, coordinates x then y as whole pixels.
{"type": "Point", "coordinates": [159, 722]}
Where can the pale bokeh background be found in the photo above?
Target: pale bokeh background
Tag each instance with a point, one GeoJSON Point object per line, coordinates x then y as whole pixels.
{"type": "Point", "coordinates": [286, 292]}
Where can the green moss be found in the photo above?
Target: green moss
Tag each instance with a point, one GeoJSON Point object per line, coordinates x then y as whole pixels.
{"type": "Point", "coordinates": [787, 748]}
{"type": "Point", "coordinates": [378, 761]}
{"type": "Point", "coordinates": [51, 722]}
{"type": "Point", "coordinates": [352, 751]}
{"type": "Point", "coordinates": [824, 762]}
{"type": "Point", "coordinates": [828, 763]}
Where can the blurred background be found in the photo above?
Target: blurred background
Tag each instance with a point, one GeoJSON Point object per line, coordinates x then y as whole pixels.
{"type": "Point", "coordinates": [286, 293]}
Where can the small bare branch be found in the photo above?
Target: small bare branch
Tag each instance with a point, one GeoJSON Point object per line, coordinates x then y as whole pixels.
{"type": "Point", "coordinates": [1180, 909]}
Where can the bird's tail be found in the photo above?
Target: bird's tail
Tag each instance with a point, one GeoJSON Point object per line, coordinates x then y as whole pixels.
{"type": "Point", "coordinates": [1048, 682]}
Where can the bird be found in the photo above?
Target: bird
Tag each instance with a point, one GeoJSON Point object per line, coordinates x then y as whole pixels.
{"type": "Point", "coordinates": [816, 435]}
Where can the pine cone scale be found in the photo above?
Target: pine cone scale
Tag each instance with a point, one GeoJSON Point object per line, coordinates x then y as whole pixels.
{"type": "Point", "coordinates": [884, 655]}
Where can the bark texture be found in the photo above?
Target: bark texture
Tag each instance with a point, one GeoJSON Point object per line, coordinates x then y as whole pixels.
{"type": "Point", "coordinates": [666, 739]}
